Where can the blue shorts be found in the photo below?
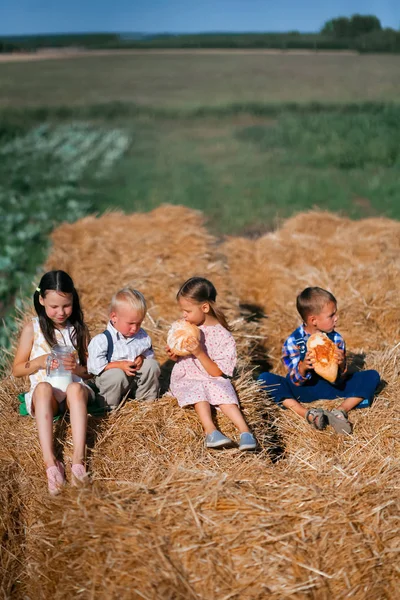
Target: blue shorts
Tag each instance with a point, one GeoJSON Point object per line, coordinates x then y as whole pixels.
{"type": "Point", "coordinates": [359, 385]}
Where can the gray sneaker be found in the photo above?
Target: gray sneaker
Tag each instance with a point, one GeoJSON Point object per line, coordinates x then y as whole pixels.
{"type": "Point", "coordinates": [247, 441]}
{"type": "Point", "coordinates": [216, 439]}
{"type": "Point", "coordinates": [338, 420]}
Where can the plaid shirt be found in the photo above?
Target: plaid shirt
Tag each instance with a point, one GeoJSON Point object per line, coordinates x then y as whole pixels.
{"type": "Point", "coordinates": [295, 348]}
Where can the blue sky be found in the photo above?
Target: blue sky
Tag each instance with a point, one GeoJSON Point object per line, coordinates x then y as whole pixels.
{"type": "Point", "coordinates": [49, 16]}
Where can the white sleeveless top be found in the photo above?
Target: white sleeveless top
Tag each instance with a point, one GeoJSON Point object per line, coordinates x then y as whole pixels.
{"type": "Point", "coordinates": [40, 347]}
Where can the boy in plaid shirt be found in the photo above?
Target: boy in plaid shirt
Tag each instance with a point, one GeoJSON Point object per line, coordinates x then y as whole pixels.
{"type": "Point", "coordinates": [318, 310]}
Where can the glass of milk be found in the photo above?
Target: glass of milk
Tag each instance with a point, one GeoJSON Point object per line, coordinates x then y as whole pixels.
{"type": "Point", "coordinates": [56, 374]}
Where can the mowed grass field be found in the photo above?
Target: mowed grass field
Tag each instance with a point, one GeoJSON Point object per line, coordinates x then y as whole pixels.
{"type": "Point", "coordinates": [232, 134]}
{"type": "Point", "coordinates": [190, 79]}
{"type": "Point", "coordinates": [246, 172]}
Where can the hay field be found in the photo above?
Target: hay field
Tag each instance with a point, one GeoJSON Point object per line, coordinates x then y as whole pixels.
{"type": "Point", "coordinates": [243, 171]}
{"type": "Point", "coordinates": [310, 516]}
{"type": "Point", "coordinates": [186, 80]}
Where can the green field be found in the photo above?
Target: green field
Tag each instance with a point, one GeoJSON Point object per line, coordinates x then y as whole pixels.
{"type": "Point", "coordinates": [187, 79]}
{"type": "Point", "coordinates": [248, 139]}
{"type": "Point", "coordinates": [245, 165]}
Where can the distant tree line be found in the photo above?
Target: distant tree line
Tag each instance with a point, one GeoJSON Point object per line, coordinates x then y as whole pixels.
{"type": "Point", "coordinates": [362, 33]}
{"type": "Point", "coordinates": [6, 46]}
{"type": "Point", "coordinates": [350, 28]}
{"type": "Point", "coordinates": [32, 43]}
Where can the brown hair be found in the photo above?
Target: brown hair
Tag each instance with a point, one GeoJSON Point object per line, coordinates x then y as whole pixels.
{"type": "Point", "coordinates": [312, 300]}
{"type": "Point", "coordinates": [61, 282]}
{"type": "Point", "coordinates": [201, 290]}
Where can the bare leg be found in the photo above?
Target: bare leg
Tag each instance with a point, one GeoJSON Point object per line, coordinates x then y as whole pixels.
{"type": "Point", "coordinates": [233, 412]}
{"type": "Point", "coordinates": [295, 406]}
{"type": "Point", "coordinates": [203, 411]}
{"type": "Point", "coordinates": [77, 397]}
{"type": "Point", "coordinates": [45, 406]}
{"type": "Point", "coordinates": [349, 403]}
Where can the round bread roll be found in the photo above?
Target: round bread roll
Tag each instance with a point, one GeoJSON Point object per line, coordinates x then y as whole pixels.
{"type": "Point", "coordinates": [179, 334]}
{"type": "Point", "coordinates": [324, 350]}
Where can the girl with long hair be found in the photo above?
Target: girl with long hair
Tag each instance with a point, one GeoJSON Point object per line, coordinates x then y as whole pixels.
{"type": "Point", "coordinates": [202, 379]}
{"type": "Point", "coordinates": [59, 321]}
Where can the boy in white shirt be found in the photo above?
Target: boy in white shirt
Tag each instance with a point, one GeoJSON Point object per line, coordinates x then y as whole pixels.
{"type": "Point", "coordinates": [122, 356]}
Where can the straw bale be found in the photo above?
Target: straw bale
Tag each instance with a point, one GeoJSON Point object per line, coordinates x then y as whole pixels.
{"type": "Point", "coordinates": [357, 260]}
{"type": "Point", "coordinates": [311, 515]}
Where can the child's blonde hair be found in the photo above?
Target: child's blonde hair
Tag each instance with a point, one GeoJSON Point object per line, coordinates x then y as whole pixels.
{"type": "Point", "coordinates": [133, 298]}
{"type": "Point", "coordinates": [312, 300]}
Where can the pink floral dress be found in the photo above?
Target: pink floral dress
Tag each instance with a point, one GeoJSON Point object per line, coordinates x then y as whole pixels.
{"type": "Point", "coordinates": [190, 382]}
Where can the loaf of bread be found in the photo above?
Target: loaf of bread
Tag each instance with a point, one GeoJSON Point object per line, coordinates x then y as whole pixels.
{"type": "Point", "coordinates": [324, 353]}
{"type": "Point", "coordinates": [179, 334]}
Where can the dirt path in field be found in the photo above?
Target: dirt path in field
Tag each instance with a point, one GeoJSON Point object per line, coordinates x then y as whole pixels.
{"type": "Point", "coordinates": [53, 54]}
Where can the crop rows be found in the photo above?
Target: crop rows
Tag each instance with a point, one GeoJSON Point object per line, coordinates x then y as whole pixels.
{"type": "Point", "coordinates": [42, 173]}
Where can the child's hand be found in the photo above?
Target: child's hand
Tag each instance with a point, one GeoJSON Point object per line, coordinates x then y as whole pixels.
{"type": "Point", "coordinates": [309, 360]}
{"type": "Point", "coordinates": [70, 363]}
{"type": "Point", "coordinates": [308, 363]}
{"type": "Point", "coordinates": [171, 354]}
{"type": "Point", "coordinates": [339, 356]}
{"type": "Point", "coordinates": [42, 362]}
{"type": "Point", "coordinates": [193, 346]}
{"type": "Point", "coordinates": [128, 367]}
{"type": "Point", "coordinates": [138, 362]}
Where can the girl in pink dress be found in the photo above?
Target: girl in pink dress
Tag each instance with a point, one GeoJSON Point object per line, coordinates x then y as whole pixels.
{"type": "Point", "coordinates": [202, 378]}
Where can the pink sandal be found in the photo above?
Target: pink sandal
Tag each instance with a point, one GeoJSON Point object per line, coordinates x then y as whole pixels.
{"type": "Point", "coordinates": [55, 478]}
{"type": "Point", "coordinates": [79, 475]}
